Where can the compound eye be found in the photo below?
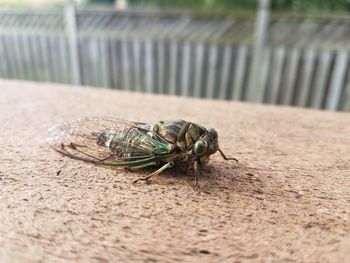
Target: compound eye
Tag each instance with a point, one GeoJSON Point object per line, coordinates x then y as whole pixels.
{"type": "Point", "coordinates": [200, 147]}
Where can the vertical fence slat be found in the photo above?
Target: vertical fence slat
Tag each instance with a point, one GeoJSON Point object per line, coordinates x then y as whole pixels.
{"type": "Point", "coordinates": [55, 49]}
{"type": "Point", "coordinates": [94, 61]}
{"type": "Point", "coordinates": [113, 64]}
{"type": "Point", "coordinates": [346, 104]}
{"type": "Point", "coordinates": [322, 74]}
{"type": "Point", "coordinates": [265, 68]}
{"type": "Point", "coordinates": [173, 67]}
{"type": "Point", "coordinates": [161, 71]}
{"type": "Point", "coordinates": [52, 61]}
{"type": "Point", "coordinates": [260, 36]}
{"type": "Point", "coordinates": [18, 56]}
{"type": "Point", "coordinates": [192, 69]}
{"type": "Point", "coordinates": [337, 80]}
{"type": "Point", "coordinates": [136, 48]}
{"type": "Point", "coordinates": [305, 85]}
{"type": "Point", "coordinates": [44, 58]}
{"type": "Point", "coordinates": [63, 60]}
{"type": "Point", "coordinates": [150, 66]}
{"type": "Point", "coordinates": [39, 56]}
{"type": "Point", "coordinates": [71, 31]}
{"type": "Point", "coordinates": [98, 63]}
{"type": "Point", "coordinates": [199, 70]}
{"type": "Point", "coordinates": [84, 57]}
{"type": "Point", "coordinates": [291, 72]}
{"type": "Point", "coordinates": [34, 57]}
{"type": "Point", "coordinates": [3, 62]}
{"type": "Point", "coordinates": [212, 68]}
{"type": "Point", "coordinates": [104, 57]}
{"type": "Point", "coordinates": [14, 56]}
{"type": "Point", "coordinates": [59, 60]}
{"type": "Point", "coordinates": [63, 51]}
{"type": "Point", "coordinates": [276, 75]}
{"type": "Point", "coordinates": [86, 61]}
{"type": "Point", "coordinates": [185, 83]}
{"type": "Point", "coordinates": [239, 73]}
{"type": "Point", "coordinates": [11, 72]}
{"type": "Point", "coordinates": [225, 73]}
{"type": "Point", "coordinates": [125, 64]}
{"type": "Point", "coordinates": [27, 60]}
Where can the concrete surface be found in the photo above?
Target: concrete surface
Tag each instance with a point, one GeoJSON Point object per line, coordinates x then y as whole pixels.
{"type": "Point", "coordinates": [287, 200]}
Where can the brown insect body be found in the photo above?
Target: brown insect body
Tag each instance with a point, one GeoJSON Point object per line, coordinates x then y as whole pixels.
{"type": "Point", "coordinates": [114, 142]}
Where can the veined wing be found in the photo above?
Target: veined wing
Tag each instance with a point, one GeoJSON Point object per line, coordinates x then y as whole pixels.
{"type": "Point", "coordinates": [109, 141]}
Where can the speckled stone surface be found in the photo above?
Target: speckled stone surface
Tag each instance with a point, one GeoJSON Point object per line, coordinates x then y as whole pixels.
{"type": "Point", "coordinates": [288, 198]}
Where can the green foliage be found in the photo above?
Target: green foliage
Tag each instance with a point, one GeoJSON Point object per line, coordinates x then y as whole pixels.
{"type": "Point", "coordinates": [278, 5]}
{"type": "Point", "coordinates": [197, 4]}
{"type": "Point", "coordinates": [310, 5]}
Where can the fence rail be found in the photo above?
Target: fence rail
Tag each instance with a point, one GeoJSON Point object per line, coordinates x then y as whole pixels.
{"type": "Point", "coordinates": [181, 55]}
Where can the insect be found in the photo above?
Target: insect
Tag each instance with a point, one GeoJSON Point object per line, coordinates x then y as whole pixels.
{"type": "Point", "coordinates": [119, 143]}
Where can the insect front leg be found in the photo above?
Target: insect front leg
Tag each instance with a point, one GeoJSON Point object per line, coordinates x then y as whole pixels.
{"type": "Point", "coordinates": [196, 174]}
{"type": "Point", "coordinates": [227, 158]}
{"type": "Point", "coordinates": [161, 169]}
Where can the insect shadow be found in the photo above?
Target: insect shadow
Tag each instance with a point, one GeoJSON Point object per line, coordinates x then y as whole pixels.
{"type": "Point", "coordinates": [213, 178]}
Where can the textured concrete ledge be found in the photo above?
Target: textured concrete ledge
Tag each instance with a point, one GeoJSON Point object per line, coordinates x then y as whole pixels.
{"type": "Point", "coordinates": [286, 200]}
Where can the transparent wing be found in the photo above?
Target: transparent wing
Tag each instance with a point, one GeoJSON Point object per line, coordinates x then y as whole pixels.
{"type": "Point", "coordinates": [109, 141]}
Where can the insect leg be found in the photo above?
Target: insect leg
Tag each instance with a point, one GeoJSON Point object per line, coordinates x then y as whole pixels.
{"type": "Point", "coordinates": [227, 158]}
{"type": "Point", "coordinates": [161, 169]}
{"type": "Point", "coordinates": [196, 174]}
{"type": "Point", "coordinates": [141, 166]}
{"type": "Point", "coordinates": [105, 159]}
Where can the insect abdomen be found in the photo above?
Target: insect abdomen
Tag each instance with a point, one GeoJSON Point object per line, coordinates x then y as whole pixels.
{"type": "Point", "coordinates": [127, 143]}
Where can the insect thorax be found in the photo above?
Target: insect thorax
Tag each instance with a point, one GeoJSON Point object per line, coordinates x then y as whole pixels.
{"type": "Point", "coordinates": [181, 133]}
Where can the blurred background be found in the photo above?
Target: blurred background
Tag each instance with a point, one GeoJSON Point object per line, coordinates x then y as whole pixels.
{"type": "Point", "coordinates": [290, 52]}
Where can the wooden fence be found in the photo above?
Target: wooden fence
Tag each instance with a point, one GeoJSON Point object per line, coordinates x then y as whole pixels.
{"type": "Point", "coordinates": [220, 68]}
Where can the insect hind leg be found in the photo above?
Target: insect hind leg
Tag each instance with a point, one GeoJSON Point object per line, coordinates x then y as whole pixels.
{"type": "Point", "coordinates": [160, 170]}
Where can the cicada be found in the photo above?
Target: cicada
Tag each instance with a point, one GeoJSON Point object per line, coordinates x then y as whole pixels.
{"type": "Point", "coordinates": [119, 143]}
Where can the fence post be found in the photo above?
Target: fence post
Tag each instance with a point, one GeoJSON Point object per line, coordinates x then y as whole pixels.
{"type": "Point", "coordinates": [72, 34]}
{"type": "Point", "coordinates": [255, 87]}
